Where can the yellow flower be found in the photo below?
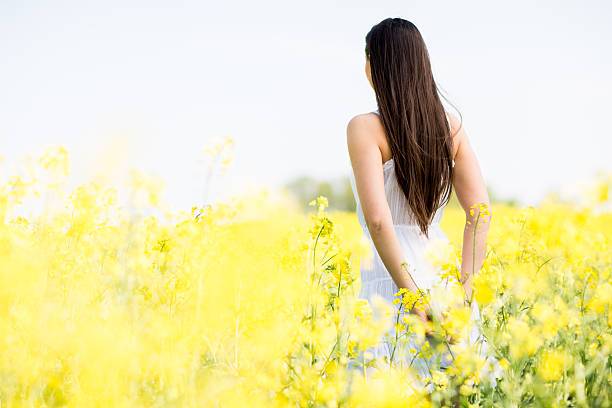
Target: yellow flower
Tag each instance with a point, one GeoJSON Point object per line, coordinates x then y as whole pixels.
{"type": "Point", "coordinates": [321, 202]}
{"type": "Point", "coordinates": [466, 389]}
{"type": "Point", "coordinates": [524, 342]}
{"type": "Point", "coordinates": [56, 160]}
{"type": "Point", "coordinates": [504, 364]}
{"type": "Point", "coordinates": [552, 364]}
{"type": "Point", "coordinates": [483, 292]}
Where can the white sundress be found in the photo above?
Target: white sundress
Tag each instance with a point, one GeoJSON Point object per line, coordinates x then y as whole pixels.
{"type": "Point", "coordinates": [376, 280]}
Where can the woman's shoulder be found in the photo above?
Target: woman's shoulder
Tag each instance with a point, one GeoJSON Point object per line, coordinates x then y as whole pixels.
{"type": "Point", "coordinates": [364, 119]}
{"type": "Point", "coordinates": [366, 123]}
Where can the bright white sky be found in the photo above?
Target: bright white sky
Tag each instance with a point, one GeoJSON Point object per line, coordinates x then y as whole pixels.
{"type": "Point", "coordinates": [156, 80]}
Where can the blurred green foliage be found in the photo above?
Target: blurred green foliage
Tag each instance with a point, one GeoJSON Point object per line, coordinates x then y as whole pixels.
{"type": "Point", "coordinates": [340, 195]}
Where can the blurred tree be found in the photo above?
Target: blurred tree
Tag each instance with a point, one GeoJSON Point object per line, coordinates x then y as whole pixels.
{"type": "Point", "coordinates": [338, 192]}
{"type": "Point", "coordinates": [495, 198]}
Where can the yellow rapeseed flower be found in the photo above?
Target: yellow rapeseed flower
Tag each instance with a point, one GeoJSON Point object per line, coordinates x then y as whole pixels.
{"type": "Point", "coordinates": [551, 365]}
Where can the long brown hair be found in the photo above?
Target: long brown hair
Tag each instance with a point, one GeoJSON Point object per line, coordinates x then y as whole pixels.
{"type": "Point", "coordinates": [412, 115]}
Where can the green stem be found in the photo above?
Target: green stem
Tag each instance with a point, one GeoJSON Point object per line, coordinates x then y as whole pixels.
{"type": "Point", "coordinates": [396, 333]}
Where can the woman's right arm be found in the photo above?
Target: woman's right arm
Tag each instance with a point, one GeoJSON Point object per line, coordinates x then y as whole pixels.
{"type": "Point", "coordinates": [472, 194]}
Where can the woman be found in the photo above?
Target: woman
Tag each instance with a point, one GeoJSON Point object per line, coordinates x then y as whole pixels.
{"type": "Point", "coordinates": [406, 159]}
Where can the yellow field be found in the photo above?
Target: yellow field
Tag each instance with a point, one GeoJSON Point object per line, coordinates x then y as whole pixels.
{"type": "Point", "coordinates": [252, 303]}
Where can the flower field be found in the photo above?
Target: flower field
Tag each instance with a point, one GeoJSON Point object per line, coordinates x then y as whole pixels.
{"type": "Point", "coordinates": [252, 302]}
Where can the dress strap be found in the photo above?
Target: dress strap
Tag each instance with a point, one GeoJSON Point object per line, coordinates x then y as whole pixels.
{"type": "Point", "coordinates": [450, 127]}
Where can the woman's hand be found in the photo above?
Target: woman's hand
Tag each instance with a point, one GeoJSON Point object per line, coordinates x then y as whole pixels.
{"type": "Point", "coordinates": [425, 316]}
{"type": "Point", "coordinates": [442, 335]}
